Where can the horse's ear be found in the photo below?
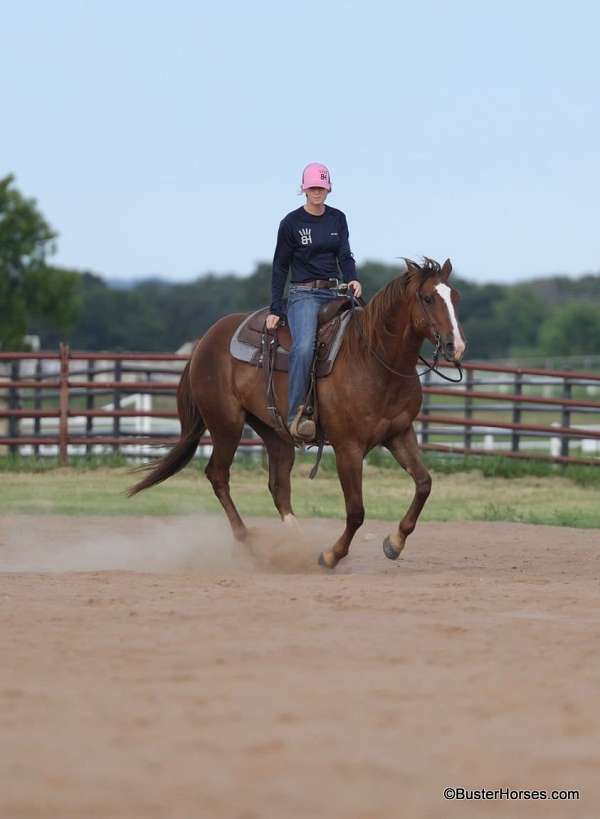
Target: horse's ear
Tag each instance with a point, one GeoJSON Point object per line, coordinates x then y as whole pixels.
{"type": "Point", "coordinates": [446, 269]}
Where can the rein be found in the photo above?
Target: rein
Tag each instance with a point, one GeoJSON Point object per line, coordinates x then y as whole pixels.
{"type": "Point", "coordinates": [430, 367]}
{"type": "Point", "coordinates": [267, 357]}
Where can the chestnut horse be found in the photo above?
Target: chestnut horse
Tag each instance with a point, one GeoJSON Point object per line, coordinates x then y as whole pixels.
{"type": "Point", "coordinates": [371, 398]}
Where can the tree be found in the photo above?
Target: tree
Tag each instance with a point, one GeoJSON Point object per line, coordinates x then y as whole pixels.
{"type": "Point", "coordinates": [517, 317]}
{"type": "Point", "coordinates": [573, 329]}
{"type": "Point", "coordinates": [111, 319]}
{"type": "Point", "coordinates": [32, 294]}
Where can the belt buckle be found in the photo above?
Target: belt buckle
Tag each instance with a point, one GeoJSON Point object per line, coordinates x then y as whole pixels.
{"type": "Point", "coordinates": [336, 280]}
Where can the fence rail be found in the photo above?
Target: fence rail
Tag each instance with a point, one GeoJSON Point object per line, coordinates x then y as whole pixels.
{"type": "Point", "coordinates": [57, 402]}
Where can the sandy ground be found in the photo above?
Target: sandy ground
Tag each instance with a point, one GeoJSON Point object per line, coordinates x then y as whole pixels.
{"type": "Point", "coordinates": [149, 669]}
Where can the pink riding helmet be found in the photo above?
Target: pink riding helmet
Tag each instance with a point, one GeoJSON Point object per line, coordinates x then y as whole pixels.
{"type": "Point", "coordinates": [316, 175]}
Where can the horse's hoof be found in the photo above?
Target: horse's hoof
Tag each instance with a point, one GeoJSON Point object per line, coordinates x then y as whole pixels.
{"type": "Point", "coordinates": [390, 550]}
{"type": "Point", "coordinates": [322, 562]}
{"type": "Point", "coordinates": [291, 521]}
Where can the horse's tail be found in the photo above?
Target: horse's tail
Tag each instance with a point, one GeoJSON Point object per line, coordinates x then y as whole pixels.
{"type": "Point", "coordinates": [192, 428]}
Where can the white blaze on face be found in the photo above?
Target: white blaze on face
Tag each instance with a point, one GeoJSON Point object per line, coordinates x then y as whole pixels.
{"type": "Point", "coordinates": [459, 343]}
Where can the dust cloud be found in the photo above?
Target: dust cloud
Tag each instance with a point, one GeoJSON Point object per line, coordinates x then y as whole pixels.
{"type": "Point", "coordinates": [147, 544]}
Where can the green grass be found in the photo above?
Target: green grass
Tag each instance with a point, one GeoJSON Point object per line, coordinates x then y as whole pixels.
{"type": "Point", "coordinates": [494, 466]}
{"type": "Point", "coordinates": [581, 518]}
{"type": "Point", "coordinates": [18, 463]}
{"type": "Point", "coordinates": [490, 466]}
{"type": "Point", "coordinates": [462, 491]}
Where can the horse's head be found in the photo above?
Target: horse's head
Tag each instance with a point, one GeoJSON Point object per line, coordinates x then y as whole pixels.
{"type": "Point", "coordinates": [435, 307]}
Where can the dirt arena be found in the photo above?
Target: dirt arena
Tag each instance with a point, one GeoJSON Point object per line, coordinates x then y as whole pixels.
{"type": "Point", "coordinates": [150, 669]}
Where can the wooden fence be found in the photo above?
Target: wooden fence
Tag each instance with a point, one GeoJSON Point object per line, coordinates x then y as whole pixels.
{"type": "Point", "coordinates": [52, 402]}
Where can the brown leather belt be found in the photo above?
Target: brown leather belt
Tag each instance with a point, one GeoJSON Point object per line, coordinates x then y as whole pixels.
{"type": "Point", "coordinates": [319, 284]}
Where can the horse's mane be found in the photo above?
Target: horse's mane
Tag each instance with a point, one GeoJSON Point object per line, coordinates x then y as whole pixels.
{"type": "Point", "coordinates": [371, 324]}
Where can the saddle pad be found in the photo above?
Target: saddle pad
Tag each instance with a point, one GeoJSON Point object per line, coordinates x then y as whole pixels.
{"type": "Point", "coordinates": [246, 343]}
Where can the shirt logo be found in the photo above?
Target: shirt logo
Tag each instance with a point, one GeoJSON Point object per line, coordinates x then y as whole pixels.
{"type": "Point", "coordinates": [333, 234]}
{"type": "Point", "coordinates": [305, 236]}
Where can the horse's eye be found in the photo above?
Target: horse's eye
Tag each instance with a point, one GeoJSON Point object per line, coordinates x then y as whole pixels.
{"type": "Point", "coordinates": [427, 299]}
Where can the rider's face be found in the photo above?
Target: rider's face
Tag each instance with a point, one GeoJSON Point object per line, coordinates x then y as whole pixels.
{"type": "Point", "coordinates": [316, 196]}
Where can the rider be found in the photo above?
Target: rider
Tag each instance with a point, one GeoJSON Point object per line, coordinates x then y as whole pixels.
{"type": "Point", "coordinates": [313, 241]}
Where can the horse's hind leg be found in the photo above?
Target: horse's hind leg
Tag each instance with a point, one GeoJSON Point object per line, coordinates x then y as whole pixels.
{"type": "Point", "coordinates": [405, 449]}
{"type": "Point", "coordinates": [225, 443]}
{"type": "Point", "coordinates": [281, 460]}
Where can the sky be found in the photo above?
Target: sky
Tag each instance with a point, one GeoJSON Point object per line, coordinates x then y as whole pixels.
{"type": "Point", "coordinates": [168, 138]}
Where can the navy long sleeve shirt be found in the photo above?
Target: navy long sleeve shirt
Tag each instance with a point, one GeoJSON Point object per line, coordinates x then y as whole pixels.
{"type": "Point", "coordinates": [314, 247]}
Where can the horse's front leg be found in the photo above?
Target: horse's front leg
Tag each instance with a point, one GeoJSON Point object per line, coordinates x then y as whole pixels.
{"type": "Point", "coordinates": [405, 449]}
{"type": "Point", "coordinates": [349, 460]}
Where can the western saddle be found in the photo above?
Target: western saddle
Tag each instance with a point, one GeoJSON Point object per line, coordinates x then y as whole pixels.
{"type": "Point", "coordinates": [269, 349]}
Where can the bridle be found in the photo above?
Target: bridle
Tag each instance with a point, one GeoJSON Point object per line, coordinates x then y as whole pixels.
{"type": "Point", "coordinates": [430, 367]}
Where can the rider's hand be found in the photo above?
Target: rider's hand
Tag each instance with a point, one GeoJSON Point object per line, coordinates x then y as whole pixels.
{"type": "Point", "coordinates": [356, 288]}
{"type": "Point", "coordinates": [272, 321]}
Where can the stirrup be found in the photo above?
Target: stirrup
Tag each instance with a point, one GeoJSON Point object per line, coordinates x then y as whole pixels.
{"type": "Point", "coordinates": [302, 429]}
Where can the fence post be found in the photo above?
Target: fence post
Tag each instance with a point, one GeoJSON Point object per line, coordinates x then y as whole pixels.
{"type": "Point", "coordinates": [13, 403]}
{"type": "Point", "coordinates": [469, 410]}
{"type": "Point", "coordinates": [37, 404]}
{"type": "Point", "coordinates": [90, 403]}
{"type": "Point", "coordinates": [565, 418]}
{"type": "Point", "coordinates": [63, 402]}
{"type": "Point", "coordinates": [117, 403]}
{"type": "Point", "coordinates": [425, 410]}
{"type": "Point", "coordinates": [147, 422]}
{"type": "Point", "coordinates": [517, 412]}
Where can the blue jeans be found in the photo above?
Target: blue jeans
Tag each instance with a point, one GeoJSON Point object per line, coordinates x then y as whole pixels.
{"type": "Point", "coordinates": [303, 308]}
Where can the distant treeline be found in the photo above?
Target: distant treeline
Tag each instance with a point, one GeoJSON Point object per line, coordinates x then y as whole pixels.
{"type": "Point", "coordinates": [555, 316]}
{"type": "Point", "coordinates": [552, 317]}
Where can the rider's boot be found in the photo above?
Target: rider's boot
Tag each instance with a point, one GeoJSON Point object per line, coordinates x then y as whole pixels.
{"type": "Point", "coordinates": [303, 429]}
